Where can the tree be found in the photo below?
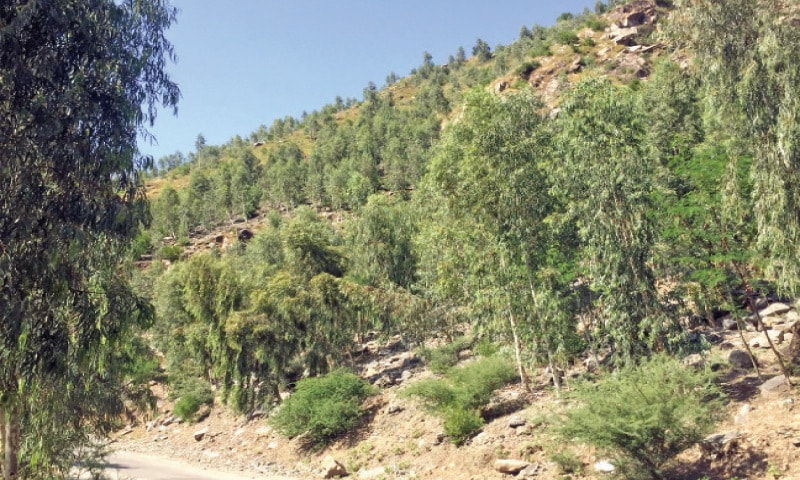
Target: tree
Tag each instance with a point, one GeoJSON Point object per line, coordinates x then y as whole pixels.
{"type": "Point", "coordinates": [79, 81]}
{"type": "Point", "coordinates": [609, 182]}
{"type": "Point", "coordinates": [482, 51]}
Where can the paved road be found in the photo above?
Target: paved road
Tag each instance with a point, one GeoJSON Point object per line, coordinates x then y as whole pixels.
{"type": "Point", "coordinates": [138, 466]}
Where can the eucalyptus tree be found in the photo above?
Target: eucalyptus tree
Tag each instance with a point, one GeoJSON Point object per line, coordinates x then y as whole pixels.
{"type": "Point", "coordinates": [609, 181]}
{"type": "Point", "coordinates": [79, 81]}
{"type": "Point", "coordinates": [748, 51]}
{"type": "Point", "coordinates": [491, 171]}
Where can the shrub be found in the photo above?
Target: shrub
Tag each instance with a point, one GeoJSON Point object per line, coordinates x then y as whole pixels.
{"type": "Point", "coordinates": [524, 70]}
{"type": "Point", "coordinates": [170, 252]}
{"type": "Point", "coordinates": [461, 423]}
{"type": "Point", "coordinates": [323, 407]}
{"type": "Point", "coordinates": [191, 394]}
{"type": "Point", "coordinates": [645, 414]}
{"type": "Point", "coordinates": [441, 359]}
{"type": "Point", "coordinates": [463, 391]}
{"type": "Point", "coordinates": [567, 462]}
{"type": "Point", "coordinates": [566, 37]}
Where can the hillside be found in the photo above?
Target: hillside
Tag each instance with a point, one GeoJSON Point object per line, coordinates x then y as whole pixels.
{"type": "Point", "coordinates": [615, 188]}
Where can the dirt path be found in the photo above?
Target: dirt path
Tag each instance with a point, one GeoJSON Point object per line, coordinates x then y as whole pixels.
{"type": "Point", "coordinates": [139, 466]}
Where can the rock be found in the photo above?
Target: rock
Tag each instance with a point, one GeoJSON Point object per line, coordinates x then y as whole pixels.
{"type": "Point", "coordinates": [774, 386]}
{"type": "Point", "coordinates": [760, 341]}
{"type": "Point", "coordinates": [776, 308]}
{"type": "Point", "coordinates": [272, 445]}
{"type": "Point", "coordinates": [787, 328]}
{"type": "Point", "coordinates": [741, 417]}
{"type": "Point", "coordinates": [501, 86]}
{"type": "Point", "coordinates": [510, 466]}
{"type": "Point", "coordinates": [623, 36]}
{"type": "Point", "coordinates": [406, 375]}
{"type": "Point", "coordinates": [394, 408]}
{"type": "Point", "coordinates": [575, 66]}
{"type": "Point", "coordinates": [384, 381]}
{"type": "Point", "coordinates": [332, 468]}
{"type": "Point", "coordinates": [729, 324]}
{"type": "Point", "coordinates": [515, 422]}
{"type": "Point", "coordinates": [694, 360]}
{"type": "Point", "coordinates": [604, 466]}
{"type": "Point", "coordinates": [198, 435]}
{"type": "Point", "coordinates": [439, 438]}
{"type": "Point", "coordinates": [740, 359]}
{"type": "Point", "coordinates": [720, 444]}
{"type": "Point", "coordinates": [377, 472]}
{"type": "Point", "coordinates": [263, 432]}
{"type": "Point", "coordinates": [530, 471]}
{"type": "Point", "coordinates": [169, 421]}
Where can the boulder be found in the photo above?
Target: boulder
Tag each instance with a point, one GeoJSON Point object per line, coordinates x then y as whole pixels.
{"type": "Point", "coordinates": [372, 473]}
{"type": "Point", "coordinates": [694, 360]}
{"type": "Point", "coordinates": [332, 468]}
{"type": "Point", "coordinates": [720, 444]}
{"type": "Point", "coordinates": [199, 434]}
{"type": "Point", "coordinates": [510, 466]}
{"type": "Point", "coordinates": [776, 308]}
{"type": "Point", "coordinates": [776, 336]}
{"type": "Point", "coordinates": [740, 359]}
{"type": "Point", "coordinates": [775, 386]}
{"type": "Point", "coordinates": [604, 466]}
{"type": "Point", "coordinates": [623, 36]}
{"type": "Point", "coordinates": [515, 422]}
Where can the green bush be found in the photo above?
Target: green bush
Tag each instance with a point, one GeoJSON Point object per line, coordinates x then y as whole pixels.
{"type": "Point", "coordinates": [441, 359]}
{"type": "Point", "coordinates": [566, 37]}
{"type": "Point", "coordinates": [323, 407]}
{"type": "Point", "coordinates": [191, 393]}
{"type": "Point", "coordinates": [567, 462]}
{"type": "Point", "coordinates": [458, 397]}
{"type": "Point", "coordinates": [645, 414]}
{"type": "Point", "coordinates": [461, 423]}
{"type": "Point", "coordinates": [170, 252]}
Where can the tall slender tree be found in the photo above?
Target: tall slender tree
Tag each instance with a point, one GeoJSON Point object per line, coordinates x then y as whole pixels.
{"type": "Point", "coordinates": [80, 80]}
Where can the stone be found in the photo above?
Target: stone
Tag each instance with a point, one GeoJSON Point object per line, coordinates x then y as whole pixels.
{"type": "Point", "coordinates": [199, 434]}
{"type": "Point", "coordinates": [729, 324]}
{"type": "Point", "coordinates": [604, 466]}
{"type": "Point", "coordinates": [372, 473]}
{"type": "Point", "coordinates": [530, 471]}
{"type": "Point", "coordinates": [720, 445]}
{"type": "Point", "coordinates": [515, 422]}
{"type": "Point", "coordinates": [510, 466]}
{"type": "Point", "coordinates": [740, 359]}
{"type": "Point", "coordinates": [406, 375]}
{"type": "Point", "coordinates": [774, 386]}
{"type": "Point", "coordinates": [776, 308]}
{"type": "Point", "coordinates": [624, 36]}
{"type": "Point", "coordinates": [694, 360]}
{"type": "Point", "coordinates": [332, 468]}
{"type": "Point", "coordinates": [741, 416]}
{"type": "Point", "coordinates": [263, 432]}
{"type": "Point", "coordinates": [394, 408]}
{"type": "Point", "coordinates": [760, 341]}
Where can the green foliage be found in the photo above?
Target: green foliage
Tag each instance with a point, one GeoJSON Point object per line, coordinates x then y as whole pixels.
{"type": "Point", "coordinates": [173, 253]}
{"type": "Point", "coordinates": [460, 423]}
{"type": "Point", "coordinates": [79, 81]}
{"type": "Point", "coordinates": [646, 413]}
{"type": "Point", "coordinates": [464, 390]}
{"type": "Point", "coordinates": [566, 37]}
{"type": "Point", "coordinates": [567, 462]}
{"type": "Point", "coordinates": [192, 393]}
{"type": "Point", "coordinates": [442, 358]}
{"type": "Point", "coordinates": [323, 407]}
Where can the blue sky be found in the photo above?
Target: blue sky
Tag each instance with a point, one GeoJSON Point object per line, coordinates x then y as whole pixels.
{"type": "Point", "coordinates": [245, 63]}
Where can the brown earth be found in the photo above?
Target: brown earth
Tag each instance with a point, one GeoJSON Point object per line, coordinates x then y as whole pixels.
{"type": "Point", "coordinates": [409, 443]}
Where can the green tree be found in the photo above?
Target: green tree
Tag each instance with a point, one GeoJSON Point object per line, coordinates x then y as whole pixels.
{"type": "Point", "coordinates": [79, 81]}
{"type": "Point", "coordinates": [491, 171]}
{"type": "Point", "coordinates": [608, 180]}
{"type": "Point", "coordinates": [482, 51]}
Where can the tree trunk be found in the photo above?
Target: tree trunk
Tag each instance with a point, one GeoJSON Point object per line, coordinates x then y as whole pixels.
{"type": "Point", "coordinates": [523, 377]}
{"type": "Point", "coordinates": [10, 434]}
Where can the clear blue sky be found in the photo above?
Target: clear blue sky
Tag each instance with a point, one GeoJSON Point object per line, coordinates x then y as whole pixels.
{"type": "Point", "coordinates": [245, 63]}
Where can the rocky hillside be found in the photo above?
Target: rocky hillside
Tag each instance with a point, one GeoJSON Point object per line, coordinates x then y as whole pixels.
{"type": "Point", "coordinates": [398, 439]}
